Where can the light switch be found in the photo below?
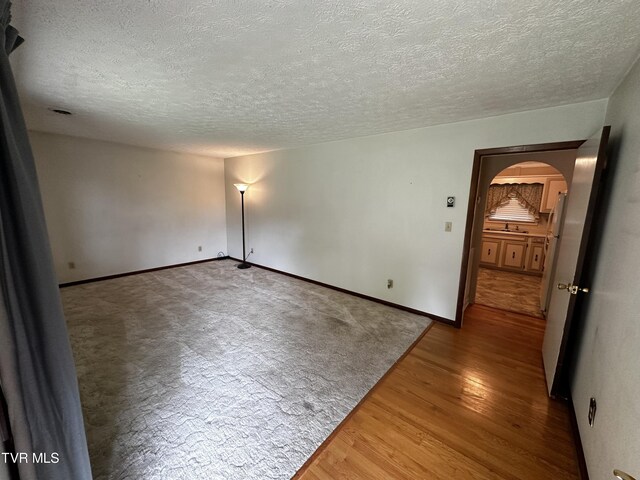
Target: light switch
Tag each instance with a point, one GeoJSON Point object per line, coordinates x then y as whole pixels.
{"type": "Point", "coordinates": [447, 226]}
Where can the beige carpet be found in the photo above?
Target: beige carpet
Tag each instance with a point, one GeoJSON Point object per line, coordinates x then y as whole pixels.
{"type": "Point", "coordinates": [514, 292]}
{"type": "Point", "coordinates": [210, 372]}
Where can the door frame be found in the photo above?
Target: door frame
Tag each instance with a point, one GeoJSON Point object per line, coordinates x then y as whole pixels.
{"type": "Point", "coordinates": [473, 194]}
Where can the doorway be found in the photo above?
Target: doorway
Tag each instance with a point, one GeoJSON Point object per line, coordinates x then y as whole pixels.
{"type": "Point", "coordinates": [571, 278]}
{"type": "Point", "coordinates": [522, 215]}
{"type": "Point", "coordinates": [512, 250]}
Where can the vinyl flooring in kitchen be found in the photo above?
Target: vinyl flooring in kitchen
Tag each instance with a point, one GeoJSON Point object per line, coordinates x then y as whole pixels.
{"type": "Point", "coordinates": [514, 292]}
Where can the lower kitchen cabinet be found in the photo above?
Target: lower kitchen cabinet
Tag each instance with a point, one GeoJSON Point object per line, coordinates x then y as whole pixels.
{"type": "Point", "coordinates": [535, 258]}
{"type": "Point", "coordinates": [490, 252]}
{"type": "Point", "coordinates": [521, 253]}
{"type": "Point", "coordinates": [514, 254]}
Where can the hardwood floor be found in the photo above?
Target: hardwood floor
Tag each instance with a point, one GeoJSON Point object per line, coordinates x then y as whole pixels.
{"type": "Point", "coordinates": [463, 404]}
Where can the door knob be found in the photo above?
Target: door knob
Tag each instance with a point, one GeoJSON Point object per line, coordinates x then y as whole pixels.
{"type": "Point", "coordinates": [572, 289]}
{"type": "Point", "coordinates": [622, 475]}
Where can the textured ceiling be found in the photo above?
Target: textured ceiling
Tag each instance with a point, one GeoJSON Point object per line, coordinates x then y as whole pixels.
{"type": "Point", "coordinates": [229, 77]}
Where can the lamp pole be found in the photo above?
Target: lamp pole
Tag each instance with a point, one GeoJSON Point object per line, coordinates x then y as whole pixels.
{"type": "Point", "coordinates": [242, 187]}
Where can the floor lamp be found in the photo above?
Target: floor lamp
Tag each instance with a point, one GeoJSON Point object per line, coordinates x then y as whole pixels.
{"type": "Point", "coordinates": [242, 187]}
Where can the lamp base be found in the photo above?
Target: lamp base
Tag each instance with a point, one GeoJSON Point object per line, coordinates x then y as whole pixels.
{"type": "Point", "coordinates": [243, 265]}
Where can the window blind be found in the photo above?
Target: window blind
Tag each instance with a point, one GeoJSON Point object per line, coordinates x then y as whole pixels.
{"type": "Point", "coordinates": [512, 212]}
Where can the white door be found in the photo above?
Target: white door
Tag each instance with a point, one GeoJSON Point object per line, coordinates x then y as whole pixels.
{"type": "Point", "coordinates": [572, 249]}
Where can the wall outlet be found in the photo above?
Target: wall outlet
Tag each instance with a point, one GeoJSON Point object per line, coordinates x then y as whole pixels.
{"type": "Point", "coordinates": [390, 283]}
{"type": "Point", "coordinates": [447, 226]}
{"type": "Point", "coordinates": [251, 251]}
{"type": "Point", "coordinates": [200, 248]}
{"type": "Point", "coordinates": [592, 411]}
{"type": "Point", "coordinates": [72, 265]}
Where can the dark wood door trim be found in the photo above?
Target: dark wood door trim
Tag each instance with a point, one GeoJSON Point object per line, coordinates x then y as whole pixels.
{"type": "Point", "coordinates": [473, 193]}
{"type": "Point", "coordinates": [533, 148]}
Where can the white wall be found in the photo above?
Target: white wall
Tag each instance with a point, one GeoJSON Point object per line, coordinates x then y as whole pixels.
{"type": "Point", "coordinates": [356, 212]}
{"type": "Point", "coordinates": [608, 362]}
{"type": "Point", "coordinates": [113, 208]}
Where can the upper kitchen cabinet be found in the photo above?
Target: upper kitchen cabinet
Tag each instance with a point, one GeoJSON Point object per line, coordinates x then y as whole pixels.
{"type": "Point", "coordinates": [552, 187]}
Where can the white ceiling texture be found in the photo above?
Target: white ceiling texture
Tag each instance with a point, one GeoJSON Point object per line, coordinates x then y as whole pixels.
{"type": "Point", "coordinates": [232, 77]}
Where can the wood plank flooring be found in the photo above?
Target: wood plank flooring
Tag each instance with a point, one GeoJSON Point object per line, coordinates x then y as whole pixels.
{"type": "Point", "coordinates": [463, 404]}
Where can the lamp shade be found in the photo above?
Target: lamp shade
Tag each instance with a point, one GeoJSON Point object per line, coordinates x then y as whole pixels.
{"type": "Point", "coordinates": [242, 187]}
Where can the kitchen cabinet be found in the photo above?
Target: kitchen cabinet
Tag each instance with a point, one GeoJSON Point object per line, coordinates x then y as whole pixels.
{"type": "Point", "coordinates": [535, 258]}
{"type": "Point", "coordinates": [552, 187]}
{"type": "Point", "coordinates": [490, 251]}
{"type": "Point", "coordinates": [513, 252]}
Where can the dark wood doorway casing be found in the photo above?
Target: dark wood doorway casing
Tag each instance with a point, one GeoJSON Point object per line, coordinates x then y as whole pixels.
{"type": "Point", "coordinates": [473, 200]}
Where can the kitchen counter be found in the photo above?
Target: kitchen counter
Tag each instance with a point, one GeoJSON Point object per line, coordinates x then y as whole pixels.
{"type": "Point", "coordinates": [513, 232]}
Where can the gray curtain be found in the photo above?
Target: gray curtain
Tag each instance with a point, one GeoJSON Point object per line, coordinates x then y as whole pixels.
{"type": "Point", "coordinates": [37, 372]}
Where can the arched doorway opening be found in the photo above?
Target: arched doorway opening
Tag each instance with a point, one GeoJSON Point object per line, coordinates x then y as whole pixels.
{"type": "Point", "coordinates": [521, 219]}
